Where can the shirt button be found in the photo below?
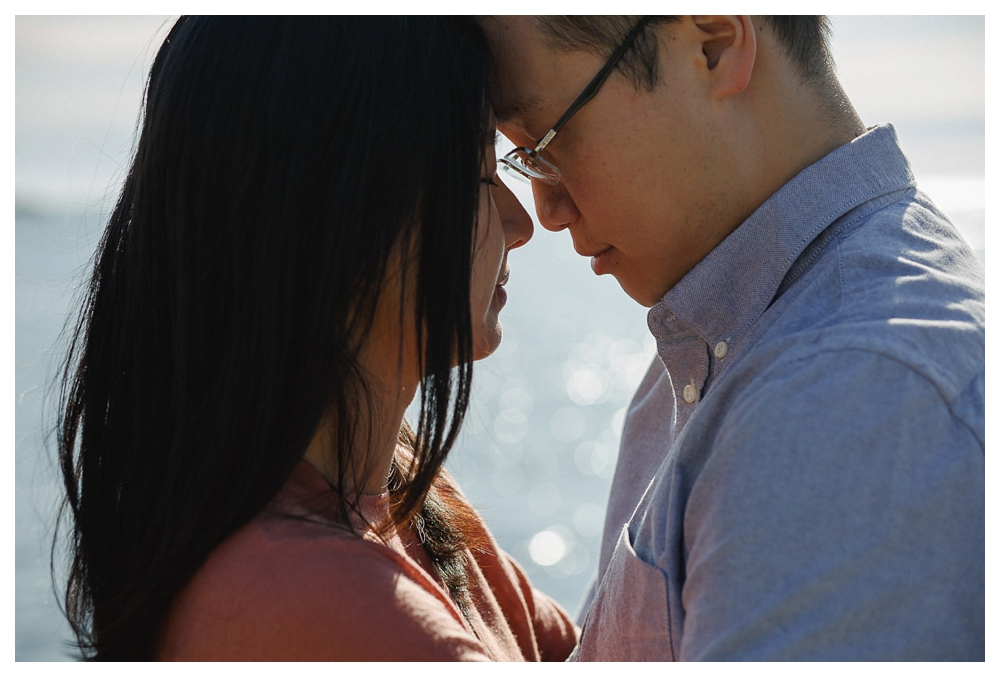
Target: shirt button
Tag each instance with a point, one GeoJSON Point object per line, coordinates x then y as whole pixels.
{"type": "Point", "coordinates": [690, 393]}
{"type": "Point", "coordinates": [721, 348]}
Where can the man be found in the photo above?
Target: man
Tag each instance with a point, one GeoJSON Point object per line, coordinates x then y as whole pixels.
{"type": "Point", "coordinates": [801, 473]}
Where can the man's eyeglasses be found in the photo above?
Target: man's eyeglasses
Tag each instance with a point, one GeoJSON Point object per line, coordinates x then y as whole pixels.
{"type": "Point", "coordinates": [528, 163]}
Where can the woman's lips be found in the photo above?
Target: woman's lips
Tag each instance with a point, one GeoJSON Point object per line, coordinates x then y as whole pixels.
{"type": "Point", "coordinates": [499, 292]}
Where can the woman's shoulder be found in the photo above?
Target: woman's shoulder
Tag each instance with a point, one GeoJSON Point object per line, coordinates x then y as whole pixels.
{"type": "Point", "coordinates": [289, 587]}
{"type": "Point", "coordinates": [541, 627]}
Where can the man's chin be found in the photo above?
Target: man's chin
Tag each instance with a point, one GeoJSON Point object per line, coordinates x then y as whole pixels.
{"type": "Point", "coordinates": [643, 297]}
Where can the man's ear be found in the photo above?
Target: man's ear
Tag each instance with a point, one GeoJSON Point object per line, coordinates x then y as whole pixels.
{"type": "Point", "coordinates": [730, 47]}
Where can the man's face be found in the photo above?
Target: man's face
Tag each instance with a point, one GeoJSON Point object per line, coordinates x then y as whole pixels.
{"type": "Point", "coordinates": [639, 180]}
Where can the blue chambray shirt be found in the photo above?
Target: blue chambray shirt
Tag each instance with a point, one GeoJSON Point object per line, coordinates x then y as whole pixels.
{"type": "Point", "coordinates": [801, 474]}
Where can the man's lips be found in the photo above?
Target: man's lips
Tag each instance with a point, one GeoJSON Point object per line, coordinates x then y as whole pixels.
{"type": "Point", "coordinates": [599, 257]}
{"type": "Point", "coordinates": [601, 261]}
{"type": "Point", "coordinates": [593, 252]}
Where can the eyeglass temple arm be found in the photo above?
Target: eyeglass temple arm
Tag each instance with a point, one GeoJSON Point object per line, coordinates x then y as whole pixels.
{"type": "Point", "coordinates": [595, 84]}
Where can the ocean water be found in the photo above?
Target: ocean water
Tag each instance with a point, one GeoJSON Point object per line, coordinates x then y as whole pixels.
{"type": "Point", "coordinates": [537, 453]}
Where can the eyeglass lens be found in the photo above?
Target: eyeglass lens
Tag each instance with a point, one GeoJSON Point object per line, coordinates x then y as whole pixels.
{"type": "Point", "coordinates": [526, 164]}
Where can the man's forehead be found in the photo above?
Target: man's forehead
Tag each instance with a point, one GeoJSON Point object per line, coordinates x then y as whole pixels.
{"type": "Point", "coordinates": [516, 47]}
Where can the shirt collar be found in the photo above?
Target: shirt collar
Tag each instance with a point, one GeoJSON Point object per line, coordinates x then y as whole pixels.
{"type": "Point", "coordinates": [724, 294]}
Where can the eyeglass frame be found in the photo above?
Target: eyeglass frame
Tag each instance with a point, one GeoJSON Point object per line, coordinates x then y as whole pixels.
{"type": "Point", "coordinates": [585, 96]}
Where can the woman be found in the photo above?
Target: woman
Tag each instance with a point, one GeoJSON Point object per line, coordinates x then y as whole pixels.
{"type": "Point", "coordinates": [311, 232]}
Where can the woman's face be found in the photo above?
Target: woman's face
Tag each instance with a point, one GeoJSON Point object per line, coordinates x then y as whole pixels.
{"type": "Point", "coordinates": [503, 225]}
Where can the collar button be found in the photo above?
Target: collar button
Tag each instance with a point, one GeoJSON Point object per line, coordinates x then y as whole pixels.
{"type": "Point", "coordinates": [721, 348]}
{"type": "Point", "coordinates": [690, 393]}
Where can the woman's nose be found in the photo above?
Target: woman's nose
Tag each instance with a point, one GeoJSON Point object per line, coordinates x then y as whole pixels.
{"type": "Point", "coordinates": [517, 225]}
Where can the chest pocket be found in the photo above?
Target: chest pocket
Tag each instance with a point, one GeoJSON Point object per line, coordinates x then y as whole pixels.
{"type": "Point", "coordinates": [628, 618]}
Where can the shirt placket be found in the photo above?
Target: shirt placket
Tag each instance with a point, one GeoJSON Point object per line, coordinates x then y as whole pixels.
{"type": "Point", "coordinates": [686, 358]}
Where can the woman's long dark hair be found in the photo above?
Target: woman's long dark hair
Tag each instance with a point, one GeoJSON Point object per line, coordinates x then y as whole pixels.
{"type": "Point", "coordinates": [280, 163]}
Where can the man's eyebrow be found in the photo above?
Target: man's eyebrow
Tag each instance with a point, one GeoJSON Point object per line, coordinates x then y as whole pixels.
{"type": "Point", "coordinates": [522, 104]}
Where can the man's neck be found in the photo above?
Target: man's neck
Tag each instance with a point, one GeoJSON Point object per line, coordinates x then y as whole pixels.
{"type": "Point", "coordinates": [796, 125]}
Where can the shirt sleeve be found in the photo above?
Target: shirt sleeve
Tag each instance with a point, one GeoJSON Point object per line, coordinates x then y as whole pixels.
{"type": "Point", "coordinates": [543, 630]}
{"type": "Point", "coordinates": [555, 632]}
{"type": "Point", "coordinates": [837, 519]}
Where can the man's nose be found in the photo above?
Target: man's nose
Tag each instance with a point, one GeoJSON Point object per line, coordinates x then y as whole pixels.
{"type": "Point", "coordinates": [554, 206]}
{"type": "Point", "coordinates": [517, 225]}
